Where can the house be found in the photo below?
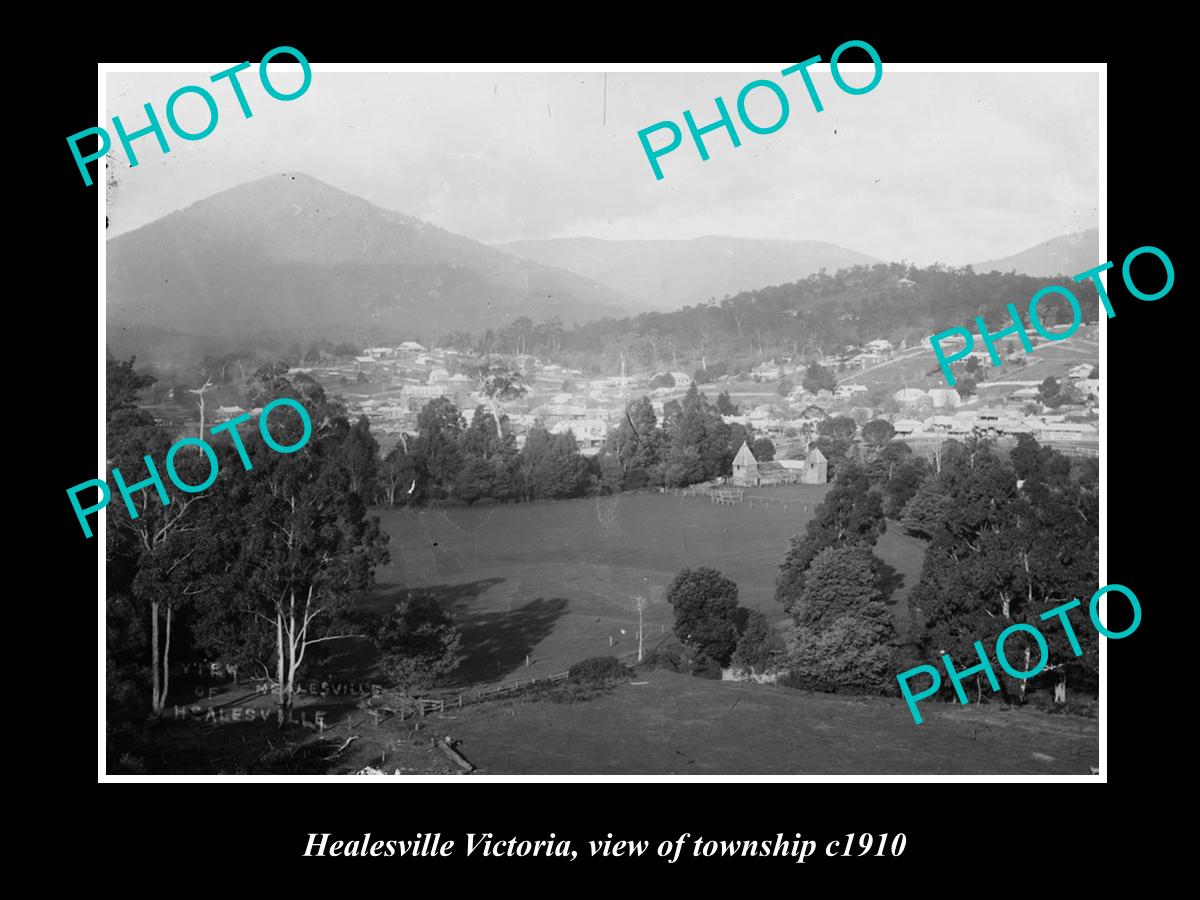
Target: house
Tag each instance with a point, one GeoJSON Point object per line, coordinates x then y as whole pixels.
{"type": "Point", "coordinates": [1090, 386]}
{"type": "Point", "coordinates": [412, 347]}
{"type": "Point", "coordinates": [416, 396]}
{"type": "Point", "coordinates": [589, 433]}
{"type": "Point", "coordinates": [682, 379]}
{"type": "Point", "coordinates": [943, 424]}
{"type": "Point", "coordinates": [438, 376]}
{"type": "Point", "coordinates": [879, 346]}
{"type": "Point", "coordinates": [1066, 431]}
{"type": "Point", "coordinates": [745, 466]}
{"type": "Point", "coordinates": [906, 426]}
{"type": "Point", "coordinates": [1076, 373]}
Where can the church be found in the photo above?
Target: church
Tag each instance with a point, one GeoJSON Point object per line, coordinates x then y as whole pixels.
{"type": "Point", "coordinates": [748, 471]}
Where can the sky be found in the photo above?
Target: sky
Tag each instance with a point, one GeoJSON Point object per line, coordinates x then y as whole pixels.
{"type": "Point", "coordinates": [927, 167]}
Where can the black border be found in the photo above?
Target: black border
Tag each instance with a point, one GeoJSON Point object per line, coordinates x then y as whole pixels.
{"type": "Point", "coordinates": [1147, 405]}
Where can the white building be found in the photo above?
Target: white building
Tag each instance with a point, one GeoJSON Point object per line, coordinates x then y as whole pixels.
{"type": "Point", "coordinates": [945, 397]}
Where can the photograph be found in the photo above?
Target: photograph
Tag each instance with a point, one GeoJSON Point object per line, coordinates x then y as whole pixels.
{"type": "Point", "coordinates": [561, 420]}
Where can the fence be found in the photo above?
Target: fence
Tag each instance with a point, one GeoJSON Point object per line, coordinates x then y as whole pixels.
{"type": "Point", "coordinates": [738, 497]}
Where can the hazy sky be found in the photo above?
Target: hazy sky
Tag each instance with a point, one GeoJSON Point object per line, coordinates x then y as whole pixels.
{"type": "Point", "coordinates": [945, 167]}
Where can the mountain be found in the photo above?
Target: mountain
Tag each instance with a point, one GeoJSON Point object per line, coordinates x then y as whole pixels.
{"type": "Point", "coordinates": [670, 274]}
{"type": "Point", "coordinates": [293, 256]}
{"type": "Point", "coordinates": [1069, 254]}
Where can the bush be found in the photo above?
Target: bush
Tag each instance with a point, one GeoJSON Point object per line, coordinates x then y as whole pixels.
{"type": "Point", "coordinates": [852, 655]}
{"type": "Point", "coordinates": [759, 646]}
{"type": "Point", "coordinates": [705, 667]}
{"type": "Point", "coordinates": [634, 479]}
{"type": "Point", "coordinates": [661, 659]}
{"type": "Point", "coordinates": [598, 670]}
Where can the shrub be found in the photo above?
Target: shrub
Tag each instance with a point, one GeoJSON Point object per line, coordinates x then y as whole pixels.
{"type": "Point", "coordinates": [705, 667]}
{"type": "Point", "coordinates": [661, 659]}
{"type": "Point", "coordinates": [634, 479]}
{"type": "Point", "coordinates": [758, 647]}
{"type": "Point", "coordinates": [598, 670]}
{"type": "Point", "coordinates": [852, 655]}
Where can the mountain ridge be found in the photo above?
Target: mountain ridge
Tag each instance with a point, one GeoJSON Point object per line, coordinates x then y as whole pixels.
{"type": "Point", "coordinates": [1066, 254]}
{"type": "Point", "coordinates": [290, 250]}
{"type": "Point", "coordinates": [669, 273]}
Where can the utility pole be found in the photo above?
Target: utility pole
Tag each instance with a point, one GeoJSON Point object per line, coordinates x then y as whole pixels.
{"type": "Point", "coordinates": [642, 608]}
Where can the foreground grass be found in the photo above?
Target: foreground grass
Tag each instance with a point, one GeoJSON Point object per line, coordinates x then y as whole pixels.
{"type": "Point", "coordinates": [690, 726]}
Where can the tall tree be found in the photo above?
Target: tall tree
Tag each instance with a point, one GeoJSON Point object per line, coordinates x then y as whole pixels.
{"type": "Point", "coordinates": [161, 558]}
{"type": "Point", "coordinates": [877, 433]}
{"type": "Point", "coordinates": [851, 513]}
{"type": "Point", "coordinates": [437, 448]}
{"type": "Point", "coordinates": [306, 546]}
{"type": "Point", "coordinates": [498, 384]}
{"type": "Point", "coordinates": [706, 611]}
{"type": "Point", "coordinates": [551, 467]}
{"type": "Point", "coordinates": [819, 378]}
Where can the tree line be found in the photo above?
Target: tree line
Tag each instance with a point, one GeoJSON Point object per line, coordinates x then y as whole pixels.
{"type": "Point", "coordinates": [809, 319]}
{"type": "Point", "coordinates": [1008, 537]}
{"type": "Point", "coordinates": [262, 569]}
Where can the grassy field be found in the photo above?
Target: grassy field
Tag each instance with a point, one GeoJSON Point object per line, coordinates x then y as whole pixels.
{"type": "Point", "coordinates": [554, 581]}
{"type": "Point", "coordinates": [678, 725]}
{"type": "Point", "coordinates": [551, 582]}
{"type": "Point", "coordinates": [664, 724]}
{"type": "Point", "coordinates": [912, 369]}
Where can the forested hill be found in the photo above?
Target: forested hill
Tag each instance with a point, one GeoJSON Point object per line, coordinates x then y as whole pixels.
{"type": "Point", "coordinates": [820, 315]}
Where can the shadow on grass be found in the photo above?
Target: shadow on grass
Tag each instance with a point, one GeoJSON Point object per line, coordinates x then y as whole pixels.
{"type": "Point", "coordinates": [890, 581]}
{"type": "Point", "coordinates": [497, 642]}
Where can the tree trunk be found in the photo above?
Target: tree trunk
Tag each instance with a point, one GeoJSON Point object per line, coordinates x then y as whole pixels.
{"type": "Point", "coordinates": [283, 701]}
{"type": "Point", "coordinates": [1021, 688]}
{"type": "Point", "coordinates": [155, 706]}
{"type": "Point", "coordinates": [166, 666]}
{"type": "Point", "coordinates": [1060, 690]}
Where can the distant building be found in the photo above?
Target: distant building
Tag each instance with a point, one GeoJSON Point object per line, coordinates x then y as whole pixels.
{"type": "Point", "coordinates": [944, 397]}
{"type": "Point", "coordinates": [745, 466]}
{"type": "Point", "coordinates": [589, 433]}
{"type": "Point", "coordinates": [909, 395]}
{"type": "Point", "coordinates": [816, 467]}
{"type": "Point", "coordinates": [1066, 431]}
{"type": "Point", "coordinates": [412, 347]}
{"type": "Point", "coordinates": [415, 396]}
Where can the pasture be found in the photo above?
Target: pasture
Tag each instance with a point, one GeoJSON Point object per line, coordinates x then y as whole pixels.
{"type": "Point", "coordinates": [555, 581]}
{"type": "Point", "coordinates": [677, 725]}
{"type": "Point", "coordinates": [918, 367]}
